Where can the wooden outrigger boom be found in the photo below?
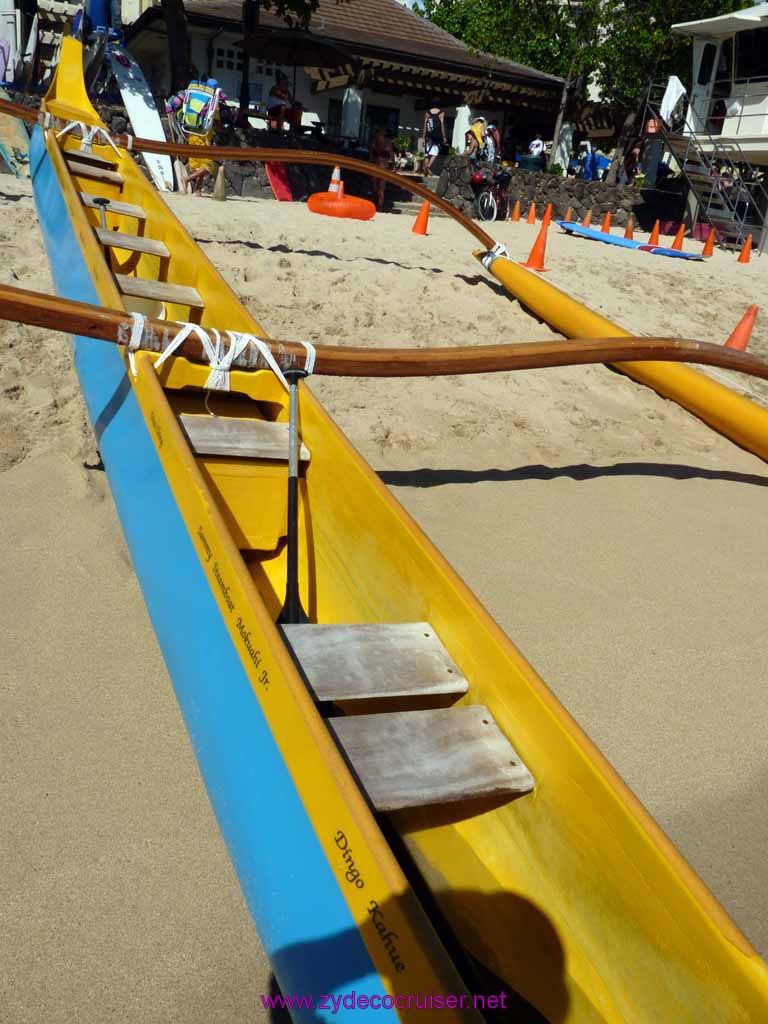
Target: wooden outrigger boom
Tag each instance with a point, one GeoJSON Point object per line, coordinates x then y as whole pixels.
{"type": "Point", "coordinates": [59, 314]}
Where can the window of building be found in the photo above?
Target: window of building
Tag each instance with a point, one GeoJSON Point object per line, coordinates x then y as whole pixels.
{"type": "Point", "coordinates": [227, 59]}
{"type": "Point", "coordinates": [752, 54]}
{"type": "Point", "coordinates": [375, 117]}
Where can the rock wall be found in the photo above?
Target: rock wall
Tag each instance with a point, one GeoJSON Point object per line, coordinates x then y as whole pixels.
{"type": "Point", "coordinates": [542, 188]}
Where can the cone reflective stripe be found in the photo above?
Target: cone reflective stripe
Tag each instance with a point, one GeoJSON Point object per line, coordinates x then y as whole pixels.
{"type": "Point", "coordinates": [422, 219]}
{"type": "Point", "coordinates": [340, 190]}
{"type": "Point", "coordinates": [536, 260]}
{"type": "Point", "coordinates": [516, 211]}
{"type": "Point", "coordinates": [654, 236]}
{"type": "Point", "coordinates": [678, 242]}
{"type": "Point", "coordinates": [606, 228]}
{"type": "Point", "coordinates": [709, 245]}
{"type": "Point", "coordinates": [335, 180]}
{"type": "Point", "coordinates": [742, 331]}
{"type": "Point", "coordinates": [547, 218]}
{"type": "Point", "coordinates": [588, 218]}
{"type": "Point", "coordinates": [531, 218]}
{"type": "Point", "coordinates": [630, 228]}
{"type": "Point", "coordinates": [746, 249]}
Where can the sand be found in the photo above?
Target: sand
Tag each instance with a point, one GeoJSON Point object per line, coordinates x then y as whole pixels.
{"type": "Point", "coordinates": [617, 540]}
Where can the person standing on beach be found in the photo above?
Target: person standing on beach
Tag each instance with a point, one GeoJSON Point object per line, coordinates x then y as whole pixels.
{"type": "Point", "coordinates": [433, 133]}
{"type": "Point", "coordinates": [383, 155]}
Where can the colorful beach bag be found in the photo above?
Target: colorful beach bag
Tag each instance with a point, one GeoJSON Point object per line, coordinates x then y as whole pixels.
{"type": "Point", "coordinates": [198, 110]}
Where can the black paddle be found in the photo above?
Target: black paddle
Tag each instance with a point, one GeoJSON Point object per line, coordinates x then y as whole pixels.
{"type": "Point", "coordinates": [292, 611]}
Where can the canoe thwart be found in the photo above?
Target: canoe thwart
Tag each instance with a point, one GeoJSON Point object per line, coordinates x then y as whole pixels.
{"type": "Point", "coordinates": [374, 660]}
{"type": "Point", "coordinates": [162, 291]}
{"type": "Point", "coordinates": [418, 758]}
{"type": "Point", "coordinates": [134, 243]}
{"type": "Point", "coordinates": [239, 438]}
{"type": "Point", "coordinates": [123, 209]}
{"type": "Point", "coordinates": [84, 157]}
{"type": "Point", "coordinates": [83, 170]}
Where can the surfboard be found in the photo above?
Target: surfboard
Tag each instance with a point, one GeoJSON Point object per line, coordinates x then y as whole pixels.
{"type": "Point", "coordinates": [625, 243]}
{"type": "Point", "coordinates": [278, 179]}
{"type": "Point", "coordinates": [26, 63]}
{"type": "Point", "coordinates": [9, 30]}
{"type": "Point", "coordinates": [93, 57]}
{"type": "Point", "coordinates": [142, 112]}
{"type": "Point", "coordinates": [14, 142]}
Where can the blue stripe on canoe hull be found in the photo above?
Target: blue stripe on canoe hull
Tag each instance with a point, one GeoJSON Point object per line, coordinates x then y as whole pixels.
{"type": "Point", "coordinates": [294, 898]}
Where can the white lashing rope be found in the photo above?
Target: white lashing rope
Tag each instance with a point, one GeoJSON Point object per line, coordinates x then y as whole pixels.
{"type": "Point", "coordinates": [220, 359]}
{"type": "Point", "coordinates": [134, 342]}
{"type": "Point", "coordinates": [89, 133]}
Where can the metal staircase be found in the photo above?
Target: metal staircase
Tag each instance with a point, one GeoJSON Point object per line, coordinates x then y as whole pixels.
{"type": "Point", "coordinates": [728, 192]}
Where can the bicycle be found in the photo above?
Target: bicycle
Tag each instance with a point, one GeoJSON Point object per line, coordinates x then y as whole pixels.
{"type": "Point", "coordinates": [491, 194]}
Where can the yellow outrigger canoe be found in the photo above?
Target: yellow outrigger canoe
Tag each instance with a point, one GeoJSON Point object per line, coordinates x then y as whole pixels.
{"type": "Point", "coordinates": [409, 809]}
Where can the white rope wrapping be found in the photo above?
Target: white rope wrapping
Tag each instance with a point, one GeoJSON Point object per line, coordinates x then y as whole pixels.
{"type": "Point", "coordinates": [134, 342]}
{"type": "Point", "coordinates": [89, 133]}
{"type": "Point", "coordinates": [220, 359]}
{"type": "Point", "coordinates": [309, 362]}
{"type": "Point", "coordinates": [498, 250]}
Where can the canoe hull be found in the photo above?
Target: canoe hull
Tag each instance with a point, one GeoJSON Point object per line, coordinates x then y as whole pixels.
{"type": "Point", "coordinates": [299, 912]}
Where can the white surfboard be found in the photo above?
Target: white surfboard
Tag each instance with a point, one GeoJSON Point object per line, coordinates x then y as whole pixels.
{"type": "Point", "coordinates": [26, 62]}
{"type": "Point", "coordinates": [9, 31]}
{"type": "Point", "coordinates": [142, 112]}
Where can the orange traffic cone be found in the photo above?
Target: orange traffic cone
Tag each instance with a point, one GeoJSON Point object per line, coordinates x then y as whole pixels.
{"type": "Point", "coordinates": [606, 228]}
{"type": "Point", "coordinates": [516, 211]}
{"type": "Point", "coordinates": [746, 249]}
{"type": "Point", "coordinates": [678, 242]}
{"type": "Point", "coordinates": [531, 218]}
{"type": "Point", "coordinates": [588, 218]}
{"type": "Point", "coordinates": [547, 218]}
{"type": "Point", "coordinates": [422, 219]}
{"type": "Point", "coordinates": [653, 238]}
{"type": "Point", "coordinates": [335, 180]}
{"type": "Point", "coordinates": [743, 329]}
{"type": "Point", "coordinates": [709, 245]}
{"type": "Point", "coordinates": [536, 260]}
{"type": "Point", "coordinates": [568, 214]}
{"type": "Point", "coordinates": [629, 231]}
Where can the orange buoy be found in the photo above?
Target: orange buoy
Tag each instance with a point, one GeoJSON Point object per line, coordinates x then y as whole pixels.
{"type": "Point", "coordinates": [336, 204]}
{"type": "Point", "coordinates": [653, 238]}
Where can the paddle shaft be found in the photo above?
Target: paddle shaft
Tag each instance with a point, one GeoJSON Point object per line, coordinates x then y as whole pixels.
{"type": "Point", "coordinates": [114, 325]}
{"type": "Point", "coordinates": [292, 611]}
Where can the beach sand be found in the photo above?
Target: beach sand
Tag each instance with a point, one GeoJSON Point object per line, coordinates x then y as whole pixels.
{"type": "Point", "coordinates": [617, 540]}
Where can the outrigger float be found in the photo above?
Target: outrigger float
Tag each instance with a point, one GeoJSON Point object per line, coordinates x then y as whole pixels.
{"type": "Point", "coordinates": [408, 807]}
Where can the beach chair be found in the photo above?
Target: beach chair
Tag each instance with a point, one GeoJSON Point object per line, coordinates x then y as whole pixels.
{"type": "Point", "coordinates": [199, 107]}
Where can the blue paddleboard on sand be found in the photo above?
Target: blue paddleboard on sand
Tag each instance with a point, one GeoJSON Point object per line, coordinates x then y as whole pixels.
{"type": "Point", "coordinates": [625, 243]}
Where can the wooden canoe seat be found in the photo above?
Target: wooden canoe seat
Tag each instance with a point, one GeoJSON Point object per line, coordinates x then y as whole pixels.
{"type": "Point", "coordinates": [239, 438]}
{"type": "Point", "coordinates": [123, 209]}
{"type": "Point", "coordinates": [83, 157]}
{"type": "Point", "coordinates": [372, 661]}
{"type": "Point", "coordinates": [83, 170]}
{"type": "Point", "coordinates": [162, 291]}
{"type": "Point", "coordinates": [135, 243]}
{"type": "Point", "coordinates": [418, 758]}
